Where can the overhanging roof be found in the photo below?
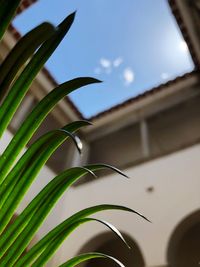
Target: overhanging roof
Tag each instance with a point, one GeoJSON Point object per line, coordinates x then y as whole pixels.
{"type": "Point", "coordinates": [24, 5]}
{"type": "Point", "coordinates": [186, 34]}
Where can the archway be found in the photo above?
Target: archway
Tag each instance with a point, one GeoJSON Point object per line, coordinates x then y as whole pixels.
{"type": "Point", "coordinates": [111, 245]}
{"type": "Point", "coordinates": [184, 244]}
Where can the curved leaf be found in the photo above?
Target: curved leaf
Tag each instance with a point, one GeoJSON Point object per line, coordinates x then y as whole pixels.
{"type": "Point", "coordinates": [28, 174]}
{"type": "Point", "coordinates": [7, 11]}
{"type": "Point", "coordinates": [37, 249]}
{"type": "Point", "coordinates": [35, 214]}
{"type": "Point", "coordinates": [44, 202]}
{"type": "Point", "coordinates": [53, 137]}
{"type": "Point", "coordinates": [35, 150]}
{"type": "Point", "coordinates": [34, 120]}
{"type": "Point", "coordinates": [50, 250]}
{"type": "Point", "coordinates": [88, 256]}
{"type": "Point", "coordinates": [21, 52]}
{"type": "Point", "coordinates": [22, 84]}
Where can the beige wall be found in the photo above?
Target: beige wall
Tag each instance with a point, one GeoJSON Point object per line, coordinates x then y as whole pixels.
{"type": "Point", "coordinates": [176, 194]}
{"type": "Point", "coordinates": [176, 183]}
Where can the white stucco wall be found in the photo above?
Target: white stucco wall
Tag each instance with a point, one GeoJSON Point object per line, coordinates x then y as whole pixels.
{"type": "Point", "coordinates": [176, 179]}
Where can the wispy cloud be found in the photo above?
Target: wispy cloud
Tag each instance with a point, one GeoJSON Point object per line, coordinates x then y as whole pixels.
{"type": "Point", "coordinates": [117, 62]}
{"type": "Point", "coordinates": [107, 66]}
{"type": "Point", "coordinates": [128, 76]}
{"type": "Point", "coordinates": [105, 63]}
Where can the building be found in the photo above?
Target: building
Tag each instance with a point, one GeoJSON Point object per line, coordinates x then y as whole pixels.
{"type": "Point", "coordinates": [156, 139]}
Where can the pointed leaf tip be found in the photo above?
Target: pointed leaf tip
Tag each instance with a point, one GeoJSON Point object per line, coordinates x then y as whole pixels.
{"type": "Point", "coordinates": [87, 122]}
{"type": "Point", "coordinates": [90, 172]}
{"type": "Point", "coordinates": [68, 21]}
{"type": "Point", "coordinates": [91, 80]}
{"type": "Point", "coordinates": [74, 138]}
{"type": "Point", "coordinates": [72, 15]}
{"type": "Point", "coordinates": [113, 229]}
{"type": "Point", "coordinates": [79, 144]}
{"type": "Point", "coordinates": [103, 165]}
{"type": "Point", "coordinates": [116, 170]}
{"type": "Point", "coordinates": [98, 81]}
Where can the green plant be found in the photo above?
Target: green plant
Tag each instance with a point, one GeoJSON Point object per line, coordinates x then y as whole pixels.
{"type": "Point", "coordinates": [16, 176]}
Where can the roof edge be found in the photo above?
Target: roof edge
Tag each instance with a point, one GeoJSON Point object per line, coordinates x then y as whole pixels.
{"type": "Point", "coordinates": [180, 21]}
{"type": "Point", "coordinates": [151, 91]}
{"type": "Point", "coordinates": [16, 34]}
{"type": "Point", "coordinates": [184, 30]}
{"type": "Point", "coordinates": [24, 5]}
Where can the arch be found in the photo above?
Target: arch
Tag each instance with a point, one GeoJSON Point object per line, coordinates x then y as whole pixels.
{"type": "Point", "coordinates": [111, 245]}
{"type": "Point", "coordinates": [184, 244]}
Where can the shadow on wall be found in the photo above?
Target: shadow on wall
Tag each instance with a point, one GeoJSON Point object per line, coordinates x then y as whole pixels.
{"type": "Point", "coordinates": [111, 245]}
{"type": "Point", "coordinates": [184, 244]}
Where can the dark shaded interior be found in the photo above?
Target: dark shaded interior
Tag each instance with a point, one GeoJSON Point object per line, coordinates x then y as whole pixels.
{"type": "Point", "coordinates": [114, 247]}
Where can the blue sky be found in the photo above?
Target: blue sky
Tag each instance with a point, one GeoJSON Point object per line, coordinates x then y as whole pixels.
{"type": "Point", "coordinates": [132, 45]}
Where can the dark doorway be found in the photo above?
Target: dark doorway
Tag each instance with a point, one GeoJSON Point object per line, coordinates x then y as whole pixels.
{"type": "Point", "coordinates": [110, 245]}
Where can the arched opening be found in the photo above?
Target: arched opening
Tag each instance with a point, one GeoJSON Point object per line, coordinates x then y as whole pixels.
{"type": "Point", "coordinates": [111, 245]}
{"type": "Point", "coordinates": [184, 244]}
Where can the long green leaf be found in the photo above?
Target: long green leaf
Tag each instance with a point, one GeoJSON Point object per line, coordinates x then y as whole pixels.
{"type": "Point", "coordinates": [21, 52]}
{"type": "Point", "coordinates": [50, 250]}
{"type": "Point", "coordinates": [37, 249]}
{"type": "Point", "coordinates": [44, 242]}
{"type": "Point", "coordinates": [37, 218]}
{"type": "Point", "coordinates": [13, 193]}
{"type": "Point", "coordinates": [43, 202]}
{"type": "Point", "coordinates": [35, 150]}
{"type": "Point", "coordinates": [34, 120]}
{"type": "Point", "coordinates": [7, 11]}
{"type": "Point", "coordinates": [22, 187]}
{"type": "Point", "coordinates": [12, 178]}
{"type": "Point", "coordinates": [88, 256]}
{"type": "Point", "coordinates": [22, 84]}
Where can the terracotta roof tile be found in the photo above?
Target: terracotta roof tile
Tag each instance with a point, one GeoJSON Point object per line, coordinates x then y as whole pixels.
{"type": "Point", "coordinates": [24, 5]}
{"type": "Point", "coordinates": [150, 92]}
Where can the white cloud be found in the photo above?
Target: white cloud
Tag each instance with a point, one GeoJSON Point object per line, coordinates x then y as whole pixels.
{"type": "Point", "coordinates": [107, 66]}
{"type": "Point", "coordinates": [105, 63]}
{"type": "Point", "coordinates": [129, 76]}
{"type": "Point", "coordinates": [117, 62]}
{"type": "Point", "coordinates": [165, 75]}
